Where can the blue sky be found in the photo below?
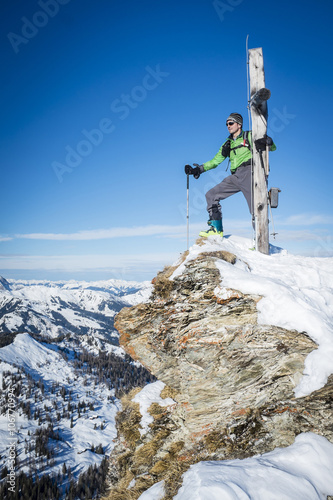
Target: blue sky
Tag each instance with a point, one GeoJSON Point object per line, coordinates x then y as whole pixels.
{"type": "Point", "coordinates": [104, 102]}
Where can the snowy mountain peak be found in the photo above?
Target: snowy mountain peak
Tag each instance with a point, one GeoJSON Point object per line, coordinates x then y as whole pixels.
{"type": "Point", "coordinates": [4, 285]}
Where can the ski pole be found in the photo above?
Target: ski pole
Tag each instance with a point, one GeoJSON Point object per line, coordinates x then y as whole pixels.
{"type": "Point", "coordinates": [187, 210]}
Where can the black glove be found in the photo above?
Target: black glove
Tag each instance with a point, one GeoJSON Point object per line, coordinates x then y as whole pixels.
{"type": "Point", "coordinates": [193, 171]}
{"type": "Point", "coordinates": [263, 142]}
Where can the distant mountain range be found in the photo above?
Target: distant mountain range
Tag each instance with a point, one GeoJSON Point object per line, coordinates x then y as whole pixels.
{"type": "Point", "coordinates": [53, 309]}
{"type": "Point", "coordinates": [59, 352]}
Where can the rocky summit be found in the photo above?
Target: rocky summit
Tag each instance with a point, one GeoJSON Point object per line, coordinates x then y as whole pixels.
{"type": "Point", "coordinates": [231, 378]}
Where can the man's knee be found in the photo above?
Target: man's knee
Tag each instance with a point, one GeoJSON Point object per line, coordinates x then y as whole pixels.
{"type": "Point", "coordinates": [210, 196]}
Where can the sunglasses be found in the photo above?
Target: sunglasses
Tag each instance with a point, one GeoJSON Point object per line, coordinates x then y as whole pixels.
{"type": "Point", "coordinates": [230, 123]}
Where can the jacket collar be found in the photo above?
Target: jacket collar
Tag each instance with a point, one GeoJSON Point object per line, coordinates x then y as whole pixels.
{"type": "Point", "coordinates": [240, 135]}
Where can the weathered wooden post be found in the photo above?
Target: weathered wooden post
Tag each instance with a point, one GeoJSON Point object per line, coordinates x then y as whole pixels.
{"type": "Point", "coordinates": [258, 106]}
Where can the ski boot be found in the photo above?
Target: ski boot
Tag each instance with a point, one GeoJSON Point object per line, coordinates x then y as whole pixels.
{"type": "Point", "coordinates": [215, 229]}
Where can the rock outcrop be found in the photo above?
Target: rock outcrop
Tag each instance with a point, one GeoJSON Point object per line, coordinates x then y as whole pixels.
{"type": "Point", "coordinates": [231, 378]}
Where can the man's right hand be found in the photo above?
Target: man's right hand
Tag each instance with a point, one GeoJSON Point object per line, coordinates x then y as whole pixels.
{"type": "Point", "coordinates": [193, 171]}
{"type": "Point", "coordinates": [263, 142]}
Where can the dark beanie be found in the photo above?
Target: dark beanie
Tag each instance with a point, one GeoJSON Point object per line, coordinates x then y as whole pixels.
{"type": "Point", "coordinates": [236, 117]}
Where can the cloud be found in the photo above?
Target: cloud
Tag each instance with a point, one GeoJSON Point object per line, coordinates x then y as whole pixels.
{"type": "Point", "coordinates": [298, 235]}
{"type": "Point", "coordinates": [171, 231]}
{"type": "Point", "coordinates": [176, 231]}
{"type": "Point", "coordinates": [5, 238]}
{"type": "Point", "coordinates": [75, 263]}
{"type": "Point", "coordinates": [307, 219]}
{"type": "Point", "coordinates": [103, 234]}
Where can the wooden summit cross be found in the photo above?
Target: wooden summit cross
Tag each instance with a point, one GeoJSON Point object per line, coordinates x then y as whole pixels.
{"type": "Point", "coordinates": [258, 106]}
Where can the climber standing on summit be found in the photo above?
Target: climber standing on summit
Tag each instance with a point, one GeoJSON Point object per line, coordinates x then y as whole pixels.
{"type": "Point", "coordinates": [238, 148]}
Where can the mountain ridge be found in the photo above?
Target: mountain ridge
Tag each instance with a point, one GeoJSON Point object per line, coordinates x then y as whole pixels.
{"type": "Point", "coordinates": [59, 308]}
{"type": "Point", "coordinates": [220, 331]}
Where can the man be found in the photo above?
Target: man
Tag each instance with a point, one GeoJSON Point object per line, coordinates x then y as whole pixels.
{"type": "Point", "coordinates": [238, 148]}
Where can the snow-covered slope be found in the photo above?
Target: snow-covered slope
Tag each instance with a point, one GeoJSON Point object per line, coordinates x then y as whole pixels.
{"type": "Point", "coordinates": [302, 471]}
{"type": "Point", "coordinates": [77, 435]}
{"type": "Point", "coordinates": [61, 372]}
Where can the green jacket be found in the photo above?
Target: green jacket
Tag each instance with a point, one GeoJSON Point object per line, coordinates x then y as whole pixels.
{"type": "Point", "coordinates": [238, 157]}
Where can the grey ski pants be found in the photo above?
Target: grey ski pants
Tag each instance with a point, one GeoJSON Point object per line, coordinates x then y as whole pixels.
{"type": "Point", "coordinates": [241, 180]}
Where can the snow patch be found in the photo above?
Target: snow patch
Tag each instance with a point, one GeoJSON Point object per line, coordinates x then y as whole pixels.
{"type": "Point", "coordinates": [146, 397]}
{"type": "Point", "coordinates": [155, 492]}
{"type": "Point", "coordinates": [300, 471]}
